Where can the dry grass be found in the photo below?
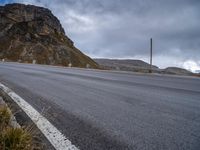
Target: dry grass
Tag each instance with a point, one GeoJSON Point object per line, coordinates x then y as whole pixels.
{"type": "Point", "coordinates": [5, 116]}
{"type": "Point", "coordinates": [13, 138]}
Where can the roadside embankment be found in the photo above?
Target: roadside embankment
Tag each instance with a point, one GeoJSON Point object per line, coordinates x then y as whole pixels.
{"type": "Point", "coordinates": [14, 136]}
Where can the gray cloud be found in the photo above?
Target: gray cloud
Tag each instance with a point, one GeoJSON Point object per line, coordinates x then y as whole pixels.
{"type": "Point", "coordinates": [122, 28]}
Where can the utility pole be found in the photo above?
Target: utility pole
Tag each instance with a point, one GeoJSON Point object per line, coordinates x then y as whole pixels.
{"type": "Point", "coordinates": [151, 47]}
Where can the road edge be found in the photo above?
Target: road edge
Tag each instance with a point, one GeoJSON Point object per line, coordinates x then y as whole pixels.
{"type": "Point", "coordinates": [54, 136]}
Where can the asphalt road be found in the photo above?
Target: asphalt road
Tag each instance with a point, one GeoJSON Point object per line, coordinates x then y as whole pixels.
{"type": "Point", "coordinates": [112, 110]}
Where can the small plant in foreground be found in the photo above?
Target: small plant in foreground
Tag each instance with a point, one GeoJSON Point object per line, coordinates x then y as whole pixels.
{"type": "Point", "coordinates": [5, 116]}
{"type": "Point", "coordinates": [16, 139]}
{"type": "Point", "coordinates": [13, 138]}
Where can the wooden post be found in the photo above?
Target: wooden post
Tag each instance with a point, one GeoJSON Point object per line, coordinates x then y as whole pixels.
{"type": "Point", "coordinates": [151, 47]}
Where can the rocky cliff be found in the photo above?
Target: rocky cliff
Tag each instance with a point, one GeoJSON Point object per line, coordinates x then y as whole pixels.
{"type": "Point", "coordinates": [33, 34]}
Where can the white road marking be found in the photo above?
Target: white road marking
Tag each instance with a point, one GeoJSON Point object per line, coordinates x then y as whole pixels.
{"type": "Point", "coordinates": [55, 137]}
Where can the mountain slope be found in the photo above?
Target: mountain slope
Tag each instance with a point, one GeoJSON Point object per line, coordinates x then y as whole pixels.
{"type": "Point", "coordinates": [125, 65]}
{"type": "Point", "coordinates": [29, 33]}
{"type": "Point", "coordinates": [139, 66]}
{"type": "Point", "coordinates": [176, 70]}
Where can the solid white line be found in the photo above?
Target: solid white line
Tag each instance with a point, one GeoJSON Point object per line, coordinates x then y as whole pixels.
{"type": "Point", "coordinates": [55, 137]}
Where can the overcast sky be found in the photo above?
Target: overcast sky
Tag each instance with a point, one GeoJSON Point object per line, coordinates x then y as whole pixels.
{"type": "Point", "coordinates": [123, 28]}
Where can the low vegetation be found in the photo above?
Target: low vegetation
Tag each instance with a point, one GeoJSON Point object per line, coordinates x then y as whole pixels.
{"type": "Point", "coordinates": [12, 138]}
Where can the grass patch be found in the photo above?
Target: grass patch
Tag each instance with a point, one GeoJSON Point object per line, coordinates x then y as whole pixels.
{"type": "Point", "coordinates": [13, 138]}
{"type": "Point", "coordinates": [5, 116]}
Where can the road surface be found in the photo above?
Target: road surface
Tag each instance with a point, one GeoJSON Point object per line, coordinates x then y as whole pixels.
{"type": "Point", "coordinates": [104, 110]}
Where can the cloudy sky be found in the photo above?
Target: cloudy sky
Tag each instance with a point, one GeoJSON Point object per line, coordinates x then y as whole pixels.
{"type": "Point", "coordinates": [123, 28]}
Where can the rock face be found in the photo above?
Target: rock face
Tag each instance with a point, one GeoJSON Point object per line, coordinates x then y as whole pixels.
{"type": "Point", "coordinates": [33, 34]}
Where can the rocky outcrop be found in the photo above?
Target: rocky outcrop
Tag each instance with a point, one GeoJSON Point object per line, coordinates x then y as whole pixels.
{"type": "Point", "coordinates": [33, 34]}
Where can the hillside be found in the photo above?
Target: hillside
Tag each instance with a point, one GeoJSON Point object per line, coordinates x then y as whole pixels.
{"type": "Point", "coordinates": [139, 66]}
{"type": "Point", "coordinates": [33, 34]}
{"type": "Point", "coordinates": [125, 65]}
{"type": "Point", "coordinates": [176, 70]}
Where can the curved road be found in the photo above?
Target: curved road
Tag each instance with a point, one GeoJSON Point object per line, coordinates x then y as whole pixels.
{"type": "Point", "coordinates": [104, 110]}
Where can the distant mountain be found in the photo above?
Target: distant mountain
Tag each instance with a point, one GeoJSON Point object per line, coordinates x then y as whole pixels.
{"type": "Point", "coordinates": [138, 66]}
{"type": "Point", "coordinates": [125, 65]}
{"type": "Point", "coordinates": [197, 71]}
{"type": "Point", "coordinates": [176, 70]}
{"type": "Point", "coordinates": [33, 34]}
